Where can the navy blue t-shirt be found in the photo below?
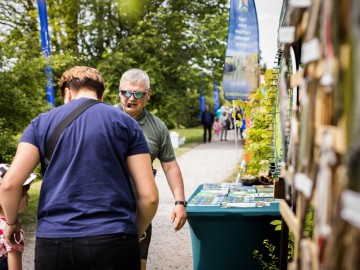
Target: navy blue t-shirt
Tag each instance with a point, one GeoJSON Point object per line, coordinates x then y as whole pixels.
{"type": "Point", "coordinates": [86, 189]}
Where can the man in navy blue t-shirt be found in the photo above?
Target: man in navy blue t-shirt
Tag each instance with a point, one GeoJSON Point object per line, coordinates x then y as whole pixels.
{"type": "Point", "coordinates": [90, 215]}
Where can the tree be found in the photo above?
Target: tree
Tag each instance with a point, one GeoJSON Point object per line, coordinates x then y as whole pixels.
{"type": "Point", "coordinates": [22, 96]}
{"type": "Point", "coordinates": [174, 43]}
{"type": "Point", "coordinates": [173, 40]}
{"type": "Point", "coordinates": [19, 28]}
{"type": "Point", "coordinates": [20, 100]}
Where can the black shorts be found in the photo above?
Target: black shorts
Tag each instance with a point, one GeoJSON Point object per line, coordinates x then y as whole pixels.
{"type": "Point", "coordinates": [145, 243]}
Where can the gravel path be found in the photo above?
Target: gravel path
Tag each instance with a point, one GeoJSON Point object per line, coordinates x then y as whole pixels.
{"type": "Point", "coordinates": [205, 163]}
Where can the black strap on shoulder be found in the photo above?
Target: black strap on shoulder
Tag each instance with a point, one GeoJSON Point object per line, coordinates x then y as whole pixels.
{"type": "Point", "coordinates": [50, 146]}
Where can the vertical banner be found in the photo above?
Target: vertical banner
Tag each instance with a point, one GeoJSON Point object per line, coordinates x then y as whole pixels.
{"type": "Point", "coordinates": [45, 49]}
{"type": "Point", "coordinates": [202, 103]}
{"type": "Point", "coordinates": [216, 97]}
{"type": "Point", "coordinates": [240, 76]}
{"type": "Point", "coordinates": [201, 95]}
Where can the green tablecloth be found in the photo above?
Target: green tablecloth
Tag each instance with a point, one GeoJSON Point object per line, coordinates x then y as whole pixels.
{"type": "Point", "coordinates": [225, 238]}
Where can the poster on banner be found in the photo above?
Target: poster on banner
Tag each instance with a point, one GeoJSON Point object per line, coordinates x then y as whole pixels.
{"type": "Point", "coordinates": [240, 76]}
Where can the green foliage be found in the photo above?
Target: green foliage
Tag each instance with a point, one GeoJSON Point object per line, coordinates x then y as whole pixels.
{"type": "Point", "coordinates": [22, 96]}
{"type": "Point", "coordinates": [179, 43]}
{"type": "Point", "coordinates": [309, 222]}
{"type": "Point", "coordinates": [277, 224]}
{"type": "Point", "coordinates": [19, 28]}
{"type": "Point", "coordinates": [290, 256]}
{"type": "Point", "coordinates": [21, 99]}
{"type": "Point", "coordinates": [260, 136]}
{"type": "Point", "coordinates": [269, 262]}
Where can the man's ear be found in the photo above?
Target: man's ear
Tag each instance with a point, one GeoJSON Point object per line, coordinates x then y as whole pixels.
{"type": "Point", "coordinates": [68, 95]}
{"type": "Point", "coordinates": [148, 94]}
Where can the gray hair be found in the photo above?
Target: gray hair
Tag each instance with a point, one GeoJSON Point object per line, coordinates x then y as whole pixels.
{"type": "Point", "coordinates": [135, 76]}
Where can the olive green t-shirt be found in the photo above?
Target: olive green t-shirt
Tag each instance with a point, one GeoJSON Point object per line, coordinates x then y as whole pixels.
{"type": "Point", "coordinates": [157, 136]}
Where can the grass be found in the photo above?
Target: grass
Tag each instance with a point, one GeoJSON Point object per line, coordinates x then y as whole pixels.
{"type": "Point", "coordinates": [29, 220]}
{"type": "Point", "coordinates": [193, 138]}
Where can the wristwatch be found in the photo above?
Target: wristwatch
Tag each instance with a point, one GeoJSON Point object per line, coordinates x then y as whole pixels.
{"type": "Point", "coordinates": [184, 203]}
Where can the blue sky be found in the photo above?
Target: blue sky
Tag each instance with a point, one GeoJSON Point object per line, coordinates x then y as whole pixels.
{"type": "Point", "coordinates": [268, 12]}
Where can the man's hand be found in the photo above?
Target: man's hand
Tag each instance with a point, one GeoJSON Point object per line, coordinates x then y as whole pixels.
{"type": "Point", "coordinates": [178, 217]}
{"type": "Point", "coordinates": [13, 237]}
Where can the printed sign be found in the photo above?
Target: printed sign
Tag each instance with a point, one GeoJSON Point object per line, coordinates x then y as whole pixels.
{"type": "Point", "coordinates": [240, 76]}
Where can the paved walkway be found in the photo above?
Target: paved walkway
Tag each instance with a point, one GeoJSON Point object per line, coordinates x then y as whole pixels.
{"type": "Point", "coordinates": [206, 163]}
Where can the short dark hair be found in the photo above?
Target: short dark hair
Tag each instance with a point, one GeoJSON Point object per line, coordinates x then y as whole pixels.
{"type": "Point", "coordinates": [82, 76]}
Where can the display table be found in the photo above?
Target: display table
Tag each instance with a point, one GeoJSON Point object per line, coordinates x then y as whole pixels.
{"type": "Point", "coordinates": [225, 238]}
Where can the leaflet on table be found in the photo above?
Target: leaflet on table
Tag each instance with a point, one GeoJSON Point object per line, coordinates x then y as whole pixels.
{"type": "Point", "coordinates": [264, 189]}
{"type": "Point", "coordinates": [232, 193]}
{"type": "Point", "coordinates": [222, 186]}
{"type": "Point", "coordinates": [209, 186]}
{"type": "Point", "coordinates": [239, 204]}
{"type": "Point", "coordinates": [245, 204]}
{"type": "Point", "coordinates": [237, 186]}
{"type": "Point", "coordinates": [248, 204]}
{"type": "Point", "coordinates": [234, 185]}
{"type": "Point", "coordinates": [262, 195]}
{"type": "Point", "coordinates": [243, 192]}
{"type": "Point", "coordinates": [208, 198]}
{"type": "Point", "coordinates": [235, 197]}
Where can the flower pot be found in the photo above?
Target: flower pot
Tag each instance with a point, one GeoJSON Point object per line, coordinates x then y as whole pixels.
{"type": "Point", "coordinates": [249, 180]}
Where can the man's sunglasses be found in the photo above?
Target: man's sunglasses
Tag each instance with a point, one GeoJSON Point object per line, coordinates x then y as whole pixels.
{"type": "Point", "coordinates": [136, 95]}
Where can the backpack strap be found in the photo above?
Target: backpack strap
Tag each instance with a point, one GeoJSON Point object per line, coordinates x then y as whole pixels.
{"type": "Point", "coordinates": [51, 143]}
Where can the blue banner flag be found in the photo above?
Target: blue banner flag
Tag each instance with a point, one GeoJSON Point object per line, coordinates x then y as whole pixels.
{"type": "Point", "coordinates": [45, 49]}
{"type": "Point", "coordinates": [202, 103]}
{"type": "Point", "coordinates": [216, 97]}
{"type": "Point", "coordinates": [240, 76]}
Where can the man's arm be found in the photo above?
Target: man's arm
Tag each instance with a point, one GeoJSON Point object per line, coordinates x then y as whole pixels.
{"type": "Point", "coordinates": [145, 189]}
{"type": "Point", "coordinates": [15, 260]}
{"type": "Point", "coordinates": [26, 158]}
{"type": "Point", "coordinates": [176, 184]}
